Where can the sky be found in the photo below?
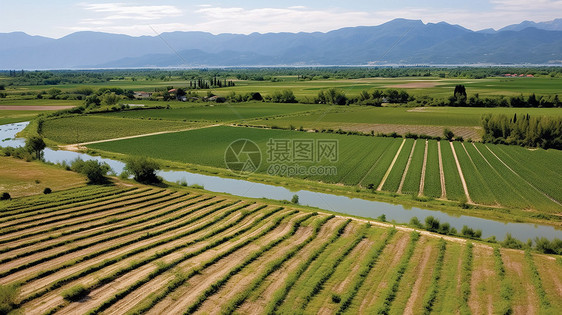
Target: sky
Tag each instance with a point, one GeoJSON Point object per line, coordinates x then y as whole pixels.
{"type": "Point", "coordinates": [57, 18]}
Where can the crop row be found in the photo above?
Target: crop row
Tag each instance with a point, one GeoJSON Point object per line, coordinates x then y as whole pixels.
{"type": "Point", "coordinates": [105, 232]}
{"type": "Point", "coordinates": [204, 265]}
{"type": "Point", "coordinates": [137, 263]}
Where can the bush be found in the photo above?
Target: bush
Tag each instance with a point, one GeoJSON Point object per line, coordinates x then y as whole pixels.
{"type": "Point", "coordinates": [469, 232]}
{"type": "Point", "coordinates": [448, 134]}
{"type": "Point", "coordinates": [143, 169]}
{"type": "Point", "coordinates": [336, 298]}
{"type": "Point", "coordinates": [47, 191]}
{"type": "Point", "coordinates": [8, 296]}
{"type": "Point", "coordinates": [95, 171]}
{"type": "Point", "coordinates": [5, 196]}
{"type": "Point", "coordinates": [432, 224]}
{"type": "Point", "coordinates": [414, 221]}
{"type": "Point", "coordinates": [510, 242]}
{"type": "Point", "coordinates": [75, 293]}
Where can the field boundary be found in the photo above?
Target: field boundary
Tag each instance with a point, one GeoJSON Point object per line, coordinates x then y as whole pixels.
{"type": "Point", "coordinates": [81, 146]}
{"type": "Point", "coordinates": [464, 186]}
{"type": "Point", "coordinates": [391, 166]}
{"type": "Point", "coordinates": [399, 191]}
{"type": "Point", "coordinates": [422, 178]}
{"type": "Point", "coordinates": [441, 172]}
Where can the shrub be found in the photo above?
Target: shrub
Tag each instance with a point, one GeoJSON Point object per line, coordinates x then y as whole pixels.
{"type": "Point", "coordinates": [95, 171]}
{"type": "Point", "coordinates": [414, 221]}
{"type": "Point", "coordinates": [432, 224]}
{"type": "Point", "coordinates": [382, 218]}
{"type": "Point", "coordinates": [8, 296]}
{"type": "Point", "coordinates": [47, 191]}
{"type": "Point", "coordinates": [143, 169]}
{"type": "Point", "coordinates": [448, 134]}
{"type": "Point", "coordinates": [5, 196]}
{"type": "Point", "coordinates": [336, 298]}
{"type": "Point", "coordinates": [469, 232]}
{"type": "Point", "coordinates": [75, 293]}
{"type": "Point", "coordinates": [510, 242]}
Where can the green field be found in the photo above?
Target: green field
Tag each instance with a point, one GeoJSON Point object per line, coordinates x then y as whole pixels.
{"type": "Point", "coordinates": [139, 249]}
{"type": "Point", "coordinates": [365, 160]}
{"type": "Point", "coordinates": [218, 112]}
{"type": "Point", "coordinates": [336, 117]}
{"type": "Point", "coordinates": [78, 129]}
{"type": "Point", "coordinates": [14, 116]}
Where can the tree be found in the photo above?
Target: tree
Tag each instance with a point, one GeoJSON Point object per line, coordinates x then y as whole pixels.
{"type": "Point", "coordinates": [95, 171]}
{"type": "Point", "coordinates": [110, 99]}
{"type": "Point", "coordinates": [460, 91]}
{"type": "Point", "coordinates": [35, 145]}
{"type": "Point", "coordinates": [460, 95]}
{"type": "Point", "coordinates": [448, 134]}
{"type": "Point", "coordinates": [143, 169]}
{"type": "Point", "coordinates": [47, 191]}
{"type": "Point", "coordinates": [295, 199]}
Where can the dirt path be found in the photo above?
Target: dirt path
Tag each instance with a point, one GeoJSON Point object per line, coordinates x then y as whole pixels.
{"type": "Point", "coordinates": [523, 179]}
{"type": "Point", "coordinates": [399, 191]}
{"type": "Point", "coordinates": [391, 166]}
{"type": "Point", "coordinates": [81, 146]}
{"type": "Point", "coordinates": [422, 179]}
{"type": "Point", "coordinates": [416, 288]}
{"type": "Point", "coordinates": [464, 186]}
{"type": "Point", "coordinates": [441, 172]}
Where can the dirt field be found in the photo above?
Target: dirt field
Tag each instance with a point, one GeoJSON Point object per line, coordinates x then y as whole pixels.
{"type": "Point", "coordinates": [154, 251]}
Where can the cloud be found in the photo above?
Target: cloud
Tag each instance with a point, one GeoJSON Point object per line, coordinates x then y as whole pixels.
{"type": "Point", "coordinates": [525, 5]}
{"type": "Point", "coordinates": [292, 19]}
{"type": "Point", "coordinates": [123, 11]}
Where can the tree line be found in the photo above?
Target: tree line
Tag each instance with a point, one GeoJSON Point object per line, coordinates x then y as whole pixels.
{"type": "Point", "coordinates": [530, 131]}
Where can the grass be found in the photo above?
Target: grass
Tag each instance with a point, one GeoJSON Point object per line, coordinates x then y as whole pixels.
{"type": "Point", "coordinates": [336, 117]}
{"type": "Point", "coordinates": [413, 177]}
{"type": "Point", "coordinates": [20, 178]}
{"type": "Point", "coordinates": [15, 116]}
{"type": "Point", "coordinates": [395, 176]}
{"type": "Point", "coordinates": [78, 129]}
{"type": "Point", "coordinates": [217, 112]}
{"type": "Point", "coordinates": [452, 178]}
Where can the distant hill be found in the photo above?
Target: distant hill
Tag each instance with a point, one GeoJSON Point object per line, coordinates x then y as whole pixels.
{"type": "Point", "coordinates": [554, 25]}
{"type": "Point", "coordinates": [399, 41]}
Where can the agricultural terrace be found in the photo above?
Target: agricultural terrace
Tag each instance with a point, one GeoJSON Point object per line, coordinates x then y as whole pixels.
{"type": "Point", "coordinates": [143, 250]}
{"type": "Point", "coordinates": [475, 173]}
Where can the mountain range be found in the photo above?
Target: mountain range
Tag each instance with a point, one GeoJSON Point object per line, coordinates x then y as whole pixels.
{"type": "Point", "coordinates": [399, 41]}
